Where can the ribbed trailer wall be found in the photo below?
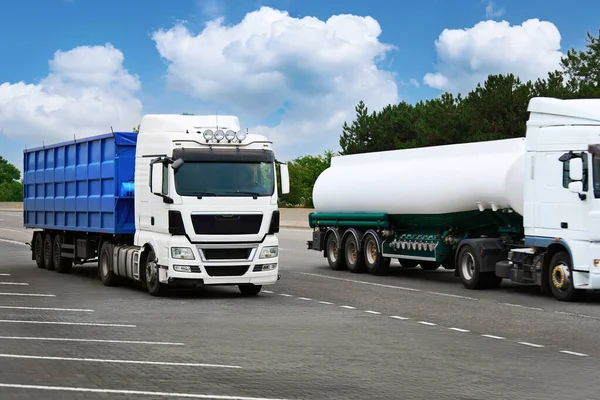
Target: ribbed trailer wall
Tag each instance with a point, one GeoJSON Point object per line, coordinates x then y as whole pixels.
{"type": "Point", "coordinates": [85, 185]}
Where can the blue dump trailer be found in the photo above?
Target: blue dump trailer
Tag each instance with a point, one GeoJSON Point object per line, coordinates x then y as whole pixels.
{"type": "Point", "coordinates": [81, 189]}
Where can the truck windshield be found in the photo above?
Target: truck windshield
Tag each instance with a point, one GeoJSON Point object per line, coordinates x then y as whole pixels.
{"type": "Point", "coordinates": [225, 179]}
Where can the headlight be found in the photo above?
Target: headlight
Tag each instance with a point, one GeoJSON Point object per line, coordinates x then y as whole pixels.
{"type": "Point", "coordinates": [182, 253]}
{"type": "Point", "coordinates": [269, 252]}
{"type": "Point", "coordinates": [240, 135]}
{"type": "Point", "coordinates": [219, 135]}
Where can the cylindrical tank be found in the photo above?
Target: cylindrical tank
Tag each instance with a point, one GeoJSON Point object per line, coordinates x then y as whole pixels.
{"type": "Point", "coordinates": [428, 180]}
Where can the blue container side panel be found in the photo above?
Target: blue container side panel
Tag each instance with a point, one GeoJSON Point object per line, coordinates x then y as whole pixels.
{"type": "Point", "coordinates": [77, 185]}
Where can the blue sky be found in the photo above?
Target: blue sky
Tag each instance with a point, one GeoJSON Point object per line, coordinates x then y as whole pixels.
{"type": "Point", "coordinates": [285, 85]}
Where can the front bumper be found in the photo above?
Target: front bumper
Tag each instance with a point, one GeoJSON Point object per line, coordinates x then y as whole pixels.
{"type": "Point", "coordinates": [221, 264]}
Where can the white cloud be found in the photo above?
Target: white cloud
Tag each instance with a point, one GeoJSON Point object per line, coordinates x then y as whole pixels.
{"type": "Point", "coordinates": [316, 70]}
{"type": "Point", "coordinates": [468, 56]}
{"type": "Point", "coordinates": [491, 11]}
{"type": "Point", "coordinates": [86, 92]}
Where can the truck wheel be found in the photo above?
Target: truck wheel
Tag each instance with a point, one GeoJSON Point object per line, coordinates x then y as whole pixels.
{"type": "Point", "coordinates": [469, 264]}
{"type": "Point", "coordinates": [561, 278]}
{"type": "Point", "coordinates": [336, 262]}
{"type": "Point", "coordinates": [61, 264]}
{"type": "Point", "coordinates": [105, 265]}
{"type": "Point", "coordinates": [48, 251]}
{"type": "Point", "coordinates": [249, 290]}
{"type": "Point", "coordinates": [375, 263]}
{"type": "Point", "coordinates": [151, 271]}
{"type": "Point", "coordinates": [38, 250]}
{"type": "Point", "coordinates": [429, 265]}
{"type": "Point", "coordinates": [352, 256]}
{"type": "Point", "coordinates": [406, 263]}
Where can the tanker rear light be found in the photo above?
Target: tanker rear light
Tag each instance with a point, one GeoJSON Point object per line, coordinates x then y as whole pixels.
{"type": "Point", "coordinates": [220, 135]}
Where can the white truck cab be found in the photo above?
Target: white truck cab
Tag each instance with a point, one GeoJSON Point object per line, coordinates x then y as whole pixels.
{"type": "Point", "coordinates": [206, 203]}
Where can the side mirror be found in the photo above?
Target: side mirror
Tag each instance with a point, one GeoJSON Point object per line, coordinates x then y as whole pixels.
{"type": "Point", "coordinates": [576, 187]}
{"type": "Point", "coordinates": [177, 164]}
{"type": "Point", "coordinates": [156, 178]}
{"type": "Point", "coordinates": [576, 169]}
{"type": "Point", "coordinates": [285, 178]}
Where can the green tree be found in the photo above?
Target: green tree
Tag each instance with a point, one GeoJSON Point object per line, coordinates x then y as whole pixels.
{"type": "Point", "coordinates": [11, 189]}
{"type": "Point", "coordinates": [303, 174]}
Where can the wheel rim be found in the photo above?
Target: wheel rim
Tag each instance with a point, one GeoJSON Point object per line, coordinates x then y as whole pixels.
{"type": "Point", "coordinates": [351, 252]}
{"type": "Point", "coordinates": [150, 272]}
{"type": "Point", "coordinates": [333, 250]}
{"type": "Point", "coordinates": [47, 250]}
{"type": "Point", "coordinates": [371, 251]}
{"type": "Point", "coordinates": [57, 251]}
{"type": "Point", "coordinates": [561, 277]}
{"type": "Point", "coordinates": [468, 266]}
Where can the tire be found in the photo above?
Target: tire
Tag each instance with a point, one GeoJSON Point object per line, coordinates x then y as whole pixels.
{"type": "Point", "coordinates": [429, 265]}
{"type": "Point", "coordinates": [38, 250]}
{"type": "Point", "coordinates": [105, 265]}
{"type": "Point", "coordinates": [352, 256]}
{"type": "Point", "coordinates": [374, 262]}
{"type": "Point", "coordinates": [62, 265]}
{"type": "Point", "coordinates": [332, 248]}
{"type": "Point", "coordinates": [469, 264]}
{"type": "Point", "coordinates": [560, 276]}
{"type": "Point", "coordinates": [151, 274]}
{"type": "Point", "coordinates": [249, 290]}
{"type": "Point", "coordinates": [48, 258]}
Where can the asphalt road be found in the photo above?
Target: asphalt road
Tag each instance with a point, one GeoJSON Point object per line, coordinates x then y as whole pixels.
{"type": "Point", "coordinates": [316, 334]}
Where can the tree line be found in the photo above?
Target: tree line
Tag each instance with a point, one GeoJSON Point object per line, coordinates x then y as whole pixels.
{"type": "Point", "coordinates": [495, 109]}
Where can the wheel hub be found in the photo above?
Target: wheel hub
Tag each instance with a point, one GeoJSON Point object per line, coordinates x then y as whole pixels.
{"type": "Point", "coordinates": [560, 276]}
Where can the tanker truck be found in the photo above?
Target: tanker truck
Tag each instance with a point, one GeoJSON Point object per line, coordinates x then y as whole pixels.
{"type": "Point", "coordinates": [523, 209]}
{"type": "Point", "coordinates": [189, 200]}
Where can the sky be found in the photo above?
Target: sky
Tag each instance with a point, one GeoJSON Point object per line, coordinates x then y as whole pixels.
{"type": "Point", "coordinates": [289, 69]}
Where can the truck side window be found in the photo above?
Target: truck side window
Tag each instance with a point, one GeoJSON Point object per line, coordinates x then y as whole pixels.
{"type": "Point", "coordinates": [566, 180]}
{"type": "Point", "coordinates": [596, 172]}
{"type": "Point", "coordinates": [165, 181]}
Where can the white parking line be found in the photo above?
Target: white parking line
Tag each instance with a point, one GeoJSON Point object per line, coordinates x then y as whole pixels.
{"type": "Point", "coordinates": [132, 392]}
{"type": "Point", "coordinates": [304, 298]}
{"type": "Point", "coordinates": [522, 306]}
{"type": "Point", "coordinates": [577, 314]}
{"type": "Point", "coordinates": [89, 340]}
{"type": "Point", "coordinates": [373, 312]}
{"type": "Point", "coordinates": [426, 323]}
{"type": "Point", "coordinates": [530, 344]}
{"type": "Point", "coordinates": [361, 282]}
{"type": "Point", "coordinates": [325, 302]}
{"type": "Point", "coordinates": [99, 360]}
{"type": "Point", "coordinates": [46, 308]}
{"type": "Point", "coordinates": [399, 317]}
{"type": "Point", "coordinates": [4, 274]}
{"type": "Point", "coordinates": [285, 295]}
{"type": "Point", "coordinates": [267, 291]}
{"type": "Point", "coordinates": [28, 294]}
{"type": "Point", "coordinates": [15, 283]}
{"type": "Point", "coordinates": [14, 321]}
{"type": "Point", "coordinates": [349, 307]}
{"type": "Point", "coordinates": [453, 295]}
{"type": "Point", "coordinates": [574, 353]}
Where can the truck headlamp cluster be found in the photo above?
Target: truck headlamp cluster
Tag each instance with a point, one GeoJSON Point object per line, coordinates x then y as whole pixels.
{"type": "Point", "coordinates": [221, 135]}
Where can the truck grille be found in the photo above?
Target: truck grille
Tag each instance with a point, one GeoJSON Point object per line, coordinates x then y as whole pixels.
{"type": "Point", "coordinates": [238, 224]}
{"type": "Point", "coordinates": [226, 270]}
{"type": "Point", "coordinates": [226, 254]}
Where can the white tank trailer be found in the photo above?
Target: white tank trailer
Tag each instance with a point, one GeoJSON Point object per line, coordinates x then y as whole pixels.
{"type": "Point", "coordinates": [468, 207]}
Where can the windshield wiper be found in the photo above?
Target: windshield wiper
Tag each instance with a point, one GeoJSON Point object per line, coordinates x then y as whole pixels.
{"type": "Point", "coordinates": [199, 195]}
{"type": "Point", "coordinates": [253, 194]}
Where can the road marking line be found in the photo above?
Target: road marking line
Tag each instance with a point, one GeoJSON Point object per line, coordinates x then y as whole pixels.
{"type": "Point", "coordinates": [530, 344]}
{"type": "Point", "coordinates": [304, 298]}
{"type": "Point", "coordinates": [493, 337]}
{"type": "Point", "coordinates": [15, 283]}
{"type": "Point", "coordinates": [574, 353]}
{"type": "Point", "coordinates": [361, 282]}
{"type": "Point", "coordinates": [459, 330]}
{"type": "Point", "coordinates": [399, 317]}
{"type": "Point", "coordinates": [132, 392]}
{"type": "Point", "coordinates": [285, 295]}
{"type": "Point", "coordinates": [453, 295]}
{"type": "Point", "coordinates": [13, 241]}
{"type": "Point", "coordinates": [4, 274]}
{"type": "Point", "coordinates": [349, 307]}
{"type": "Point", "coordinates": [28, 294]}
{"type": "Point", "coordinates": [325, 302]}
{"type": "Point", "coordinates": [373, 312]}
{"type": "Point", "coordinates": [99, 360]}
{"type": "Point", "coordinates": [46, 308]}
{"type": "Point", "coordinates": [426, 323]}
{"type": "Point", "coordinates": [522, 306]}
{"type": "Point", "coordinates": [267, 291]}
{"type": "Point", "coordinates": [577, 315]}
{"type": "Point", "coordinates": [89, 340]}
{"type": "Point", "coordinates": [14, 321]}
